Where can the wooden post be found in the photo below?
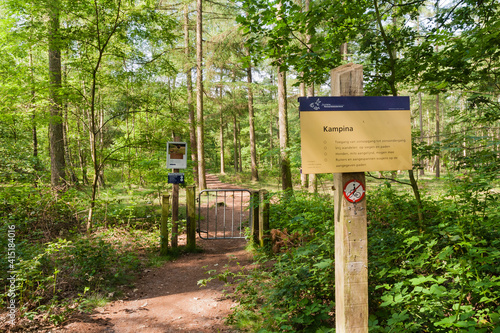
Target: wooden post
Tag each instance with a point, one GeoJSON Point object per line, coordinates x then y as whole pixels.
{"type": "Point", "coordinates": [175, 207]}
{"type": "Point", "coordinates": [263, 217]}
{"type": "Point", "coordinates": [254, 206]}
{"type": "Point", "coordinates": [347, 80]}
{"type": "Point", "coordinates": [165, 210]}
{"type": "Point", "coordinates": [351, 240]}
{"type": "Point", "coordinates": [191, 218]}
{"type": "Point", "coordinates": [175, 213]}
{"type": "Point", "coordinates": [351, 259]}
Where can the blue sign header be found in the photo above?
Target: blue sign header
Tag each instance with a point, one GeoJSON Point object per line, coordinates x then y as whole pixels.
{"type": "Point", "coordinates": [354, 103]}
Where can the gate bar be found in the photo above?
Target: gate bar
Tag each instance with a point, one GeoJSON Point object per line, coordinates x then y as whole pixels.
{"type": "Point", "coordinates": [205, 234]}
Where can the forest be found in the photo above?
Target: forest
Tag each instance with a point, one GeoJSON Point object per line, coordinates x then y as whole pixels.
{"type": "Point", "coordinates": [92, 90]}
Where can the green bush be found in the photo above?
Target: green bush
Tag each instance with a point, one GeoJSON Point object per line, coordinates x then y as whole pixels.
{"type": "Point", "coordinates": [441, 276]}
{"type": "Point", "coordinates": [64, 267]}
{"type": "Point", "coordinates": [301, 212]}
{"type": "Point", "coordinates": [294, 294]}
{"type": "Point", "coordinates": [291, 291]}
{"type": "Point", "coordinates": [38, 213]}
{"type": "Point", "coordinates": [95, 263]}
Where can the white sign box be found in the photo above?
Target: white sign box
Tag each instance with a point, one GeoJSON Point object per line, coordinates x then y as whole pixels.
{"type": "Point", "coordinates": [176, 155]}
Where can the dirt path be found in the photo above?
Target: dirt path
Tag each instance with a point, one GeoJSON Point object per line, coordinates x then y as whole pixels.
{"type": "Point", "coordinates": [168, 299]}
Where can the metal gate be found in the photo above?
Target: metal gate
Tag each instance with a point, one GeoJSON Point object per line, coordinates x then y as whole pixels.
{"type": "Point", "coordinates": [223, 213]}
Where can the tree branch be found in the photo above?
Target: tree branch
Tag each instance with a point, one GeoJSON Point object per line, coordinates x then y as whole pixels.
{"type": "Point", "coordinates": [386, 178]}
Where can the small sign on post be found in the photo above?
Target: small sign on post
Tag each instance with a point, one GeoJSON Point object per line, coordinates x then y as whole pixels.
{"type": "Point", "coordinates": [354, 191]}
{"type": "Point", "coordinates": [176, 159]}
{"type": "Point", "coordinates": [176, 178]}
{"type": "Point", "coordinates": [176, 155]}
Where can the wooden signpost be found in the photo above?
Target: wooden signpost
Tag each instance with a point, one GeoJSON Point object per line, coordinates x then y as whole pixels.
{"type": "Point", "coordinates": [351, 238]}
{"type": "Point", "coordinates": [176, 159]}
{"type": "Point", "coordinates": [348, 134]}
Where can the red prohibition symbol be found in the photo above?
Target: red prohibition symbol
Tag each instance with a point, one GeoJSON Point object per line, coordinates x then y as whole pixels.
{"type": "Point", "coordinates": [354, 191]}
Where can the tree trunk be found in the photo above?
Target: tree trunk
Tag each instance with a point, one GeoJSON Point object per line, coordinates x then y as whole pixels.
{"type": "Point", "coordinates": [81, 153]}
{"type": "Point", "coordinates": [34, 135]}
{"type": "Point", "coordinates": [93, 152]}
{"type": "Point", "coordinates": [221, 139]}
{"type": "Point", "coordinates": [199, 95]}
{"type": "Point", "coordinates": [421, 126]}
{"type": "Point", "coordinates": [286, 174]}
{"type": "Point", "coordinates": [304, 178]}
{"type": "Point", "coordinates": [438, 162]}
{"type": "Point", "coordinates": [189, 84]}
{"type": "Point", "coordinates": [235, 145]}
{"type": "Point", "coordinates": [313, 180]}
{"type": "Point", "coordinates": [253, 149]}
{"type": "Point", "coordinates": [271, 141]}
{"type": "Point", "coordinates": [392, 84]}
{"type": "Point", "coordinates": [67, 151]}
{"type": "Point", "coordinates": [94, 130]}
{"type": "Point", "coordinates": [437, 165]}
{"type": "Point", "coordinates": [239, 147]}
{"type": "Point", "coordinates": [56, 136]}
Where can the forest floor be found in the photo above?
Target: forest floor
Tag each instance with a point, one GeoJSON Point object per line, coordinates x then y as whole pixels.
{"type": "Point", "coordinates": [168, 298]}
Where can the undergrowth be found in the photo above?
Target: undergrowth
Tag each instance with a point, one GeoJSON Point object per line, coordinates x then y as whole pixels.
{"type": "Point", "coordinates": [442, 276]}
{"type": "Point", "coordinates": [58, 269]}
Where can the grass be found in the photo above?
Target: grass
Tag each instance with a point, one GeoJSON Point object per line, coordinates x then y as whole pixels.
{"type": "Point", "coordinates": [93, 301]}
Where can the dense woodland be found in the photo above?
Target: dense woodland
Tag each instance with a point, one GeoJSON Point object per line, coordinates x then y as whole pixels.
{"type": "Point", "coordinates": [92, 90]}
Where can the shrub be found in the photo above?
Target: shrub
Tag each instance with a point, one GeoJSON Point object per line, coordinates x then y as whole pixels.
{"type": "Point", "coordinates": [441, 276]}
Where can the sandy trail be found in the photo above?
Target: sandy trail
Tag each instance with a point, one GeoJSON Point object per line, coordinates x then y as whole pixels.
{"type": "Point", "coordinates": [169, 299]}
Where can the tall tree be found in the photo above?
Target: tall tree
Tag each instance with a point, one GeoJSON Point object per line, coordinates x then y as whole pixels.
{"type": "Point", "coordinates": [112, 37]}
{"type": "Point", "coordinates": [313, 179]}
{"type": "Point", "coordinates": [253, 148]}
{"type": "Point", "coordinates": [437, 165]}
{"type": "Point", "coordinates": [189, 86]}
{"type": "Point", "coordinates": [286, 173]}
{"type": "Point", "coordinates": [221, 140]}
{"type": "Point", "coordinates": [395, 71]}
{"type": "Point", "coordinates": [104, 27]}
{"type": "Point", "coordinates": [57, 161]}
{"type": "Point", "coordinates": [202, 182]}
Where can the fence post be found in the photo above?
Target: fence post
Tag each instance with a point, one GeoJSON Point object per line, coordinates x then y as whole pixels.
{"type": "Point", "coordinates": [191, 218]}
{"type": "Point", "coordinates": [254, 206]}
{"type": "Point", "coordinates": [263, 217]}
{"type": "Point", "coordinates": [165, 210]}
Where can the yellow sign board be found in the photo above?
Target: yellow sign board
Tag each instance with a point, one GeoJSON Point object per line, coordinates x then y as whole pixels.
{"type": "Point", "coordinates": [355, 134]}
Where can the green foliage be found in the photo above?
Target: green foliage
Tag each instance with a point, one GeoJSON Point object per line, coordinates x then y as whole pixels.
{"type": "Point", "coordinates": [294, 295]}
{"type": "Point", "coordinates": [48, 277]}
{"type": "Point", "coordinates": [37, 213]}
{"type": "Point", "coordinates": [97, 264]}
{"type": "Point", "coordinates": [301, 212]}
{"type": "Point", "coordinates": [17, 163]}
{"type": "Point", "coordinates": [443, 278]}
{"type": "Point", "coordinates": [293, 291]}
{"type": "Point", "coordinates": [55, 266]}
{"type": "Point", "coordinates": [438, 277]}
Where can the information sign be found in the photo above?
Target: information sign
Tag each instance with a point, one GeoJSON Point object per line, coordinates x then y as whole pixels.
{"type": "Point", "coordinates": [355, 134]}
{"type": "Point", "coordinates": [176, 155]}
